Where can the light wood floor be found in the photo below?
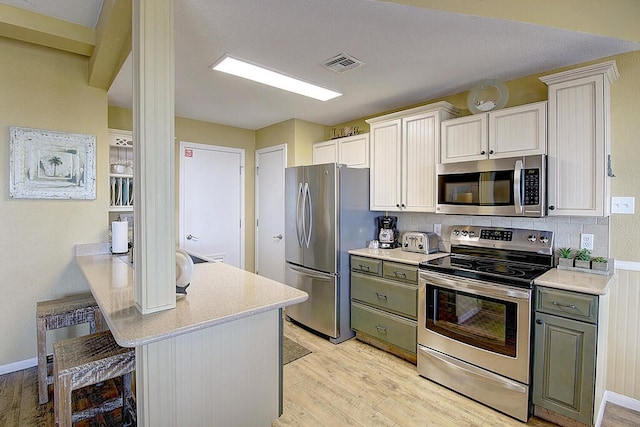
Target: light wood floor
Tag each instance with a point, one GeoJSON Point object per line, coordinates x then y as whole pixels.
{"type": "Point", "coordinates": [358, 385]}
{"type": "Point", "coordinates": [348, 384]}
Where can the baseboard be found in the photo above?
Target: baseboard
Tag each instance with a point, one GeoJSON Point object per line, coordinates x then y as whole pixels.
{"type": "Point", "coordinates": [618, 399]}
{"type": "Point", "coordinates": [18, 366]}
{"type": "Point", "coordinates": [627, 265]}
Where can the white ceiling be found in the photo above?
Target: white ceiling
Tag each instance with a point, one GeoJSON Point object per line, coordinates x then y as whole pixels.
{"type": "Point", "coordinates": [411, 54]}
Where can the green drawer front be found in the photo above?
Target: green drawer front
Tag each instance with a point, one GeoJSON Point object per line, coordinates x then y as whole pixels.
{"type": "Point", "coordinates": [397, 297]}
{"type": "Point", "coordinates": [384, 326]}
{"type": "Point", "coordinates": [366, 265]}
{"type": "Point", "coordinates": [568, 304]}
{"type": "Point", "coordinates": [397, 271]}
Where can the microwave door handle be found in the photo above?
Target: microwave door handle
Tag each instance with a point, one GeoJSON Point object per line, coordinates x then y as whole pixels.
{"type": "Point", "coordinates": [517, 186]}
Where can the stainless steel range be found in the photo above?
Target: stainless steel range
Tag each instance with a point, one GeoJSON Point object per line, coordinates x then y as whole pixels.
{"type": "Point", "coordinates": [475, 311]}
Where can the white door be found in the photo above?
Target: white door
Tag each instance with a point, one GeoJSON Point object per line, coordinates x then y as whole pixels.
{"type": "Point", "coordinates": [212, 202]}
{"type": "Point", "coordinates": [270, 165]}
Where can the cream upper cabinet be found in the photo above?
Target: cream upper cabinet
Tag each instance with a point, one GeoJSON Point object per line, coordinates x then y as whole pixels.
{"type": "Point", "coordinates": [518, 131]}
{"type": "Point", "coordinates": [464, 139]}
{"type": "Point", "coordinates": [325, 152]}
{"type": "Point", "coordinates": [579, 140]}
{"type": "Point", "coordinates": [404, 154]}
{"type": "Point", "coordinates": [352, 151]}
{"type": "Point", "coordinates": [515, 131]}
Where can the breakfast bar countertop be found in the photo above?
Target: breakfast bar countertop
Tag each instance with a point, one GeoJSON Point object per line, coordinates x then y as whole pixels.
{"type": "Point", "coordinates": [219, 293]}
{"type": "Point", "coordinates": [397, 255]}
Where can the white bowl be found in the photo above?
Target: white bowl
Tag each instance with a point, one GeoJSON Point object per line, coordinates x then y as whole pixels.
{"type": "Point", "coordinates": [116, 168]}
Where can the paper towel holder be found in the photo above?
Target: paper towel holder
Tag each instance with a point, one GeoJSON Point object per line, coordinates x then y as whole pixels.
{"type": "Point", "coordinates": [119, 238]}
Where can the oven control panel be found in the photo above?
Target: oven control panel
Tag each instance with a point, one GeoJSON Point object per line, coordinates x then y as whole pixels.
{"type": "Point", "coordinates": [505, 235]}
{"type": "Point", "coordinates": [537, 241]}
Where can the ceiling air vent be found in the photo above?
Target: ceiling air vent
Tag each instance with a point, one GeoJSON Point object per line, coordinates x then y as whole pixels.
{"type": "Point", "coordinates": [341, 63]}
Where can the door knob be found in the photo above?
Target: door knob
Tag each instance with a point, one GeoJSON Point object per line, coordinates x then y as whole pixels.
{"type": "Point", "coordinates": [192, 237]}
{"type": "Point", "coordinates": [279, 237]}
{"type": "Point", "coordinates": [538, 322]}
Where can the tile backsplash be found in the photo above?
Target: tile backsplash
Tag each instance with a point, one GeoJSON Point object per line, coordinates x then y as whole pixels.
{"type": "Point", "coordinates": [566, 230]}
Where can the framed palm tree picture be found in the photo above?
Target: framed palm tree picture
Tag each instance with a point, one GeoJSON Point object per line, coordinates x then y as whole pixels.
{"type": "Point", "coordinates": [47, 164]}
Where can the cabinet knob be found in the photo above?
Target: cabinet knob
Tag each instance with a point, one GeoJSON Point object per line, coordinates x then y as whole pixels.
{"type": "Point", "coordinates": [483, 152]}
{"type": "Point", "coordinates": [538, 322]}
{"type": "Point", "coordinates": [551, 208]}
{"type": "Point", "coordinates": [397, 205]}
{"type": "Point", "coordinates": [490, 151]}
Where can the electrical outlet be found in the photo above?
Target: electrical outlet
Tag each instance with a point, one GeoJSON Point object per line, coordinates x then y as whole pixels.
{"type": "Point", "coordinates": [586, 241]}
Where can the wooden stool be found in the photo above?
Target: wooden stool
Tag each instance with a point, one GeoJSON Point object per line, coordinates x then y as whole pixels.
{"type": "Point", "coordinates": [60, 313]}
{"type": "Point", "coordinates": [86, 360]}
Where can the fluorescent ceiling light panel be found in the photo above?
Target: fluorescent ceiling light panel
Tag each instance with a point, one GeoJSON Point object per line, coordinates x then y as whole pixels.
{"type": "Point", "coordinates": [262, 75]}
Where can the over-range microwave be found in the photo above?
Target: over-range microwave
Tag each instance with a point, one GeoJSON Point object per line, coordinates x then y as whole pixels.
{"type": "Point", "coordinates": [514, 186]}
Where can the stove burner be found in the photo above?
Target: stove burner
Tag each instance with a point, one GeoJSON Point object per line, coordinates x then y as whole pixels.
{"type": "Point", "coordinates": [502, 269]}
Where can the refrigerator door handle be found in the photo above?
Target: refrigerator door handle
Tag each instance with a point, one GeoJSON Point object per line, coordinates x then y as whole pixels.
{"type": "Point", "coordinates": [298, 216]}
{"type": "Point", "coordinates": [309, 205]}
{"type": "Point", "coordinates": [310, 273]}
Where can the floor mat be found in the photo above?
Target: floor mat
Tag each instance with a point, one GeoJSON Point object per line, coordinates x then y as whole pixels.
{"type": "Point", "coordinates": [291, 350]}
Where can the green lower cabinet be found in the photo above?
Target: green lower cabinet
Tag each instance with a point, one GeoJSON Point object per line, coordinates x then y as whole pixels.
{"type": "Point", "coordinates": [384, 326]}
{"type": "Point", "coordinates": [564, 366]}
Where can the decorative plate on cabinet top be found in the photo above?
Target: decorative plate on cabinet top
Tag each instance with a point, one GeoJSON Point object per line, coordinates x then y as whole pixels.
{"type": "Point", "coordinates": [487, 95]}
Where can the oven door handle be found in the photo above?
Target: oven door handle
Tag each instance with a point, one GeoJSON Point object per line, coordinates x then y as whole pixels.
{"type": "Point", "coordinates": [517, 186]}
{"type": "Point", "coordinates": [474, 286]}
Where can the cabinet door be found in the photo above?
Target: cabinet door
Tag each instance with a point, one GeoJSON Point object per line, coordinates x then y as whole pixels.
{"type": "Point", "coordinates": [518, 131]}
{"type": "Point", "coordinates": [353, 151]}
{"type": "Point", "coordinates": [325, 152]}
{"type": "Point", "coordinates": [564, 366]}
{"type": "Point", "coordinates": [577, 175]}
{"type": "Point", "coordinates": [464, 139]}
{"type": "Point", "coordinates": [385, 177]}
{"type": "Point", "coordinates": [420, 136]}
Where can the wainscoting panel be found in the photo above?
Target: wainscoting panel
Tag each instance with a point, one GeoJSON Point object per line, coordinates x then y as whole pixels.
{"type": "Point", "coordinates": [623, 361]}
{"type": "Point", "coordinates": [224, 375]}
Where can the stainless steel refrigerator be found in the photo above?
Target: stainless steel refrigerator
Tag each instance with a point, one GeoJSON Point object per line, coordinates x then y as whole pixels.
{"type": "Point", "coordinates": [327, 214]}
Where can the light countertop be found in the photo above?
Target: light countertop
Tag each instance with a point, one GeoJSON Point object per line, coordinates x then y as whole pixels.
{"type": "Point", "coordinates": [219, 293]}
{"type": "Point", "coordinates": [397, 255]}
{"type": "Point", "coordinates": [577, 281]}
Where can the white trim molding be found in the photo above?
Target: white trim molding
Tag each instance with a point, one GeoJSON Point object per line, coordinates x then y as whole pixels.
{"type": "Point", "coordinates": [18, 366]}
{"type": "Point", "coordinates": [628, 265]}
{"type": "Point", "coordinates": [617, 399]}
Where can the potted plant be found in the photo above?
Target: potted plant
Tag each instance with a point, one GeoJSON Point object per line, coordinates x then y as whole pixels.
{"type": "Point", "coordinates": [600, 263]}
{"type": "Point", "coordinates": [583, 258]}
{"type": "Point", "coordinates": [564, 257]}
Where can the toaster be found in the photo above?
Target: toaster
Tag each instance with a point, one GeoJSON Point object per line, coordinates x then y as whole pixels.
{"type": "Point", "coordinates": [424, 243]}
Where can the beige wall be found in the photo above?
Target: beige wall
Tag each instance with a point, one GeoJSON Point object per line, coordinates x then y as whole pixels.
{"type": "Point", "coordinates": [306, 134]}
{"type": "Point", "coordinates": [45, 89]}
{"type": "Point", "coordinates": [299, 135]}
{"type": "Point", "coordinates": [611, 18]}
{"type": "Point", "coordinates": [625, 155]}
{"type": "Point", "coordinates": [188, 130]}
{"type": "Point", "coordinates": [276, 134]}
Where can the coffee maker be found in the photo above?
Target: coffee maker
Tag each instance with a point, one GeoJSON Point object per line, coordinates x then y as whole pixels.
{"type": "Point", "coordinates": [387, 232]}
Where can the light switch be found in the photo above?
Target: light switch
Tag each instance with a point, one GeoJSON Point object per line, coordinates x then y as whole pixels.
{"type": "Point", "coordinates": [623, 205]}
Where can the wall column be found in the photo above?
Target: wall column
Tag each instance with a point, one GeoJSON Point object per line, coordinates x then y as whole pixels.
{"type": "Point", "coordinates": [153, 135]}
